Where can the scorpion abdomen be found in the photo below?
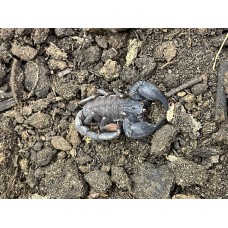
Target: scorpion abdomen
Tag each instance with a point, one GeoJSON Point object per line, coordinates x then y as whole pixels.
{"type": "Point", "coordinates": [105, 106]}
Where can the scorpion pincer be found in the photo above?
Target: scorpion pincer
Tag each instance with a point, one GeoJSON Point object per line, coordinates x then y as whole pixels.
{"type": "Point", "coordinates": [113, 112]}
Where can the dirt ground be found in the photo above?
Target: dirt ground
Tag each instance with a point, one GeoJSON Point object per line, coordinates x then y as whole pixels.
{"type": "Point", "coordinates": [45, 72]}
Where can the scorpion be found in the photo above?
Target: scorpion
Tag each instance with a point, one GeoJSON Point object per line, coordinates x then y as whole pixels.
{"type": "Point", "coordinates": [113, 112]}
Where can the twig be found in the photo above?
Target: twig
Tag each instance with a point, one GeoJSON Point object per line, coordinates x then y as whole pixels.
{"type": "Point", "coordinates": [216, 57]}
{"type": "Point", "coordinates": [167, 64]}
{"type": "Point", "coordinates": [220, 102]}
{"type": "Point", "coordinates": [184, 86]}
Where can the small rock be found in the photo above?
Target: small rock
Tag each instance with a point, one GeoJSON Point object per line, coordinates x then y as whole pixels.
{"type": "Point", "coordinates": [75, 139]}
{"type": "Point", "coordinates": [102, 41]}
{"type": "Point", "coordinates": [171, 80]}
{"type": "Point", "coordinates": [110, 70]}
{"type": "Point", "coordinates": [199, 89]}
{"type": "Point", "coordinates": [105, 168]}
{"type": "Point", "coordinates": [84, 159]}
{"type": "Point", "coordinates": [54, 64]}
{"type": "Point", "coordinates": [169, 52]}
{"type": "Point", "coordinates": [40, 120]}
{"type": "Point", "coordinates": [38, 146]}
{"type": "Point", "coordinates": [63, 181]}
{"type": "Point", "coordinates": [133, 49]}
{"type": "Point", "coordinates": [109, 54]}
{"type": "Point", "coordinates": [186, 172]}
{"type": "Point", "coordinates": [146, 64]}
{"type": "Point", "coordinates": [43, 157]}
{"type": "Point", "coordinates": [25, 53]}
{"type": "Point", "coordinates": [73, 153]}
{"type": "Point", "coordinates": [36, 78]}
{"type": "Point", "coordinates": [39, 35]}
{"type": "Point", "coordinates": [61, 32]}
{"type": "Point", "coordinates": [150, 182]}
{"type": "Point", "coordinates": [162, 139]}
{"type": "Point", "coordinates": [55, 52]}
{"type": "Point", "coordinates": [26, 111]}
{"type": "Point", "coordinates": [98, 180]}
{"type": "Point", "coordinates": [92, 54]}
{"type": "Point", "coordinates": [31, 180]}
{"type": "Point", "coordinates": [67, 90]}
{"type": "Point", "coordinates": [183, 196]}
{"type": "Point", "coordinates": [120, 178]}
{"type": "Point", "coordinates": [59, 143]}
{"type": "Point", "coordinates": [129, 75]}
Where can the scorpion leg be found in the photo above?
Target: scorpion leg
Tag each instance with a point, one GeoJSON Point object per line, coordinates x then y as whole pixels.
{"type": "Point", "coordinates": [137, 130]}
{"type": "Point", "coordinates": [82, 102]}
{"type": "Point", "coordinates": [83, 130]}
{"type": "Point", "coordinates": [92, 116]}
{"type": "Point", "coordinates": [145, 90]}
{"type": "Point", "coordinates": [90, 98]}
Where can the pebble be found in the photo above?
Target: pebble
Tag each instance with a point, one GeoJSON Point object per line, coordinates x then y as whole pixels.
{"type": "Point", "coordinates": [40, 120]}
{"type": "Point", "coordinates": [84, 159]}
{"type": "Point", "coordinates": [101, 41]}
{"type": "Point", "coordinates": [25, 53]}
{"type": "Point", "coordinates": [74, 137]}
{"type": "Point", "coordinates": [171, 80]}
{"type": "Point", "coordinates": [92, 54]}
{"type": "Point", "coordinates": [110, 70]}
{"type": "Point", "coordinates": [39, 35]}
{"type": "Point", "coordinates": [43, 157]}
{"type": "Point", "coordinates": [169, 52]}
{"type": "Point", "coordinates": [146, 64]}
{"type": "Point", "coordinates": [162, 140]}
{"type": "Point", "coordinates": [59, 143]}
{"type": "Point", "coordinates": [120, 177]}
{"type": "Point", "coordinates": [133, 49]}
{"type": "Point", "coordinates": [98, 180]}
{"type": "Point", "coordinates": [36, 76]}
{"type": "Point", "coordinates": [55, 52]}
{"type": "Point", "coordinates": [63, 181]}
{"type": "Point", "coordinates": [109, 54]}
{"type": "Point", "coordinates": [54, 64]}
{"type": "Point", "coordinates": [150, 182]}
{"type": "Point", "coordinates": [62, 32]}
{"type": "Point", "coordinates": [199, 89]}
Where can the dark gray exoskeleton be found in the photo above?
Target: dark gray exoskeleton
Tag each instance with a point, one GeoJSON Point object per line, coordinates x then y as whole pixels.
{"type": "Point", "coordinates": [113, 112]}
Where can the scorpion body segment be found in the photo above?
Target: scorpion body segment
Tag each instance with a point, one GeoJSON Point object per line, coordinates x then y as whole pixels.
{"type": "Point", "coordinates": [113, 107]}
{"type": "Point", "coordinates": [113, 112]}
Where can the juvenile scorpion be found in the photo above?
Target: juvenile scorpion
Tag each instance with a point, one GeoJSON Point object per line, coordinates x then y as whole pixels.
{"type": "Point", "coordinates": [113, 112]}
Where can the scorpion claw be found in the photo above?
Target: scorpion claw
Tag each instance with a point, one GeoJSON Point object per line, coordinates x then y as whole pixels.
{"type": "Point", "coordinates": [137, 130]}
{"type": "Point", "coordinates": [146, 90]}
